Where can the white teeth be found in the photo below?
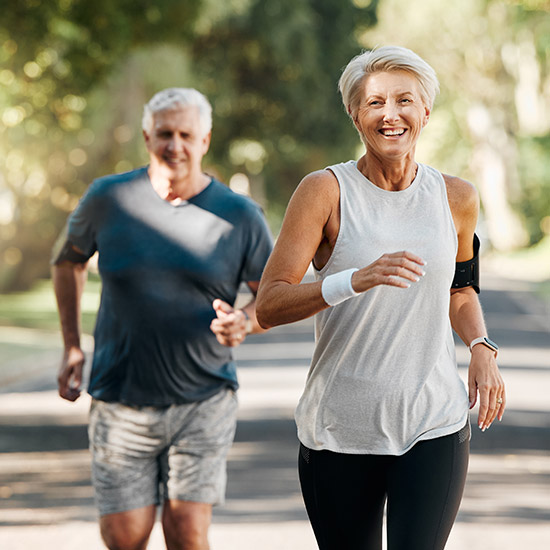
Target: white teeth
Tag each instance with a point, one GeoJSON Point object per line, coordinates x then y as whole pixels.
{"type": "Point", "coordinates": [393, 132]}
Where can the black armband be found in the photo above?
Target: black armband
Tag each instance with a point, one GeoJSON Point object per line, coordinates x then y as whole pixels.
{"type": "Point", "coordinates": [69, 254]}
{"type": "Point", "coordinates": [467, 273]}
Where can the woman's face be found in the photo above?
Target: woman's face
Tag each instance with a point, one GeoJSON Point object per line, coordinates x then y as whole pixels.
{"type": "Point", "coordinates": [392, 114]}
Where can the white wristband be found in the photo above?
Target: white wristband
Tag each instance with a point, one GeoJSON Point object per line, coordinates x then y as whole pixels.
{"type": "Point", "coordinates": [337, 287]}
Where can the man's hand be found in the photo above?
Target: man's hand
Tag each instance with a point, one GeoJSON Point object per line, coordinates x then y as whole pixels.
{"type": "Point", "coordinates": [69, 378]}
{"type": "Point", "coordinates": [229, 325]}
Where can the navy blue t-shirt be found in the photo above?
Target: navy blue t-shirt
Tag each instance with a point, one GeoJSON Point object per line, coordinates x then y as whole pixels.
{"type": "Point", "coordinates": [161, 267]}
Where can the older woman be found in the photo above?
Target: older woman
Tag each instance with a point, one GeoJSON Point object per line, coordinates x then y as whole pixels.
{"type": "Point", "coordinates": [384, 414]}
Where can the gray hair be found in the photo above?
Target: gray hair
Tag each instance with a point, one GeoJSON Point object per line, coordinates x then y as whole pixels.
{"type": "Point", "coordinates": [385, 58]}
{"type": "Point", "coordinates": [171, 98]}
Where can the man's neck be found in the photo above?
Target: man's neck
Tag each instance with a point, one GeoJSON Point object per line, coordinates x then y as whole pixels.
{"type": "Point", "coordinates": [176, 191]}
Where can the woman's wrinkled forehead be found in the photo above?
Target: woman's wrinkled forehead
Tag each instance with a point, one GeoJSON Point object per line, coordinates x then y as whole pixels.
{"type": "Point", "coordinates": [393, 82]}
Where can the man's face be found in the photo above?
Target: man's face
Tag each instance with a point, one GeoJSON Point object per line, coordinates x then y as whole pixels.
{"type": "Point", "coordinates": [176, 143]}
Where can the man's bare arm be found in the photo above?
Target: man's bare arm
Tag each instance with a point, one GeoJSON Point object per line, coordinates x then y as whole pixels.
{"type": "Point", "coordinates": [68, 281]}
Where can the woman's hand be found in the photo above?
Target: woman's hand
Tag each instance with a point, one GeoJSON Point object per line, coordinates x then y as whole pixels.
{"type": "Point", "coordinates": [484, 377]}
{"type": "Point", "coordinates": [390, 269]}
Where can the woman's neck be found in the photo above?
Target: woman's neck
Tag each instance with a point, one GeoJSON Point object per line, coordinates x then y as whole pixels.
{"type": "Point", "coordinates": [391, 176]}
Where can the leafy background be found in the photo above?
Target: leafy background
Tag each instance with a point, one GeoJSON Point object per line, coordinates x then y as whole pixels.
{"type": "Point", "coordinates": [74, 76]}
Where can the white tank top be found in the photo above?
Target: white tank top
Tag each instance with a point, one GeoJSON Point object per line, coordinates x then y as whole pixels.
{"type": "Point", "coordinates": [383, 375]}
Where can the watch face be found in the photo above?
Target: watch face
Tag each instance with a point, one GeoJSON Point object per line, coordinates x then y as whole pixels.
{"type": "Point", "coordinates": [491, 344]}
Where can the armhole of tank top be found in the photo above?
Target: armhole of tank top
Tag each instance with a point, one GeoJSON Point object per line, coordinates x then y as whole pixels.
{"type": "Point", "coordinates": [449, 211]}
{"type": "Point", "coordinates": [325, 268]}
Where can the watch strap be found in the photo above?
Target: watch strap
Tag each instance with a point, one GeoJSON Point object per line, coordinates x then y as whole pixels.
{"type": "Point", "coordinates": [486, 342]}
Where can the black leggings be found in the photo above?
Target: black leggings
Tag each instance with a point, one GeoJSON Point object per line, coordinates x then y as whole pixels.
{"type": "Point", "coordinates": [345, 495]}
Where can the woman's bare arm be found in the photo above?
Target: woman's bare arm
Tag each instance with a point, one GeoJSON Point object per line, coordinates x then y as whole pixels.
{"type": "Point", "coordinates": [281, 298]}
{"type": "Point", "coordinates": [465, 310]}
{"type": "Point", "coordinates": [309, 231]}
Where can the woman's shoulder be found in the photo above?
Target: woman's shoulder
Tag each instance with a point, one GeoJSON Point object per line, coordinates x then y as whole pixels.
{"type": "Point", "coordinates": [316, 198]}
{"type": "Point", "coordinates": [461, 193]}
{"type": "Point", "coordinates": [463, 198]}
{"type": "Point", "coordinates": [320, 184]}
{"type": "Point", "coordinates": [320, 177]}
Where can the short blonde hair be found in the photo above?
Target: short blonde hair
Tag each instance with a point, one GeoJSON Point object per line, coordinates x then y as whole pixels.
{"type": "Point", "coordinates": [385, 58]}
{"type": "Point", "coordinates": [171, 98]}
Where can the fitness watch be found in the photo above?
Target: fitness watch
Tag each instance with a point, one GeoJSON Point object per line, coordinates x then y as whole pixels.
{"type": "Point", "coordinates": [486, 342]}
{"type": "Point", "coordinates": [248, 323]}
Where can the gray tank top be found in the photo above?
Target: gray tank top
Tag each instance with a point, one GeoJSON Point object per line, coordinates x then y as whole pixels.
{"type": "Point", "coordinates": [383, 374]}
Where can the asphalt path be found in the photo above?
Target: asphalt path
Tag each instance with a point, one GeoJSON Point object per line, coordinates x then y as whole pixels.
{"type": "Point", "coordinates": [46, 500]}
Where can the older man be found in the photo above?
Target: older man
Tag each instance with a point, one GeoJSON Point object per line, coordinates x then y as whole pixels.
{"type": "Point", "coordinates": [174, 245]}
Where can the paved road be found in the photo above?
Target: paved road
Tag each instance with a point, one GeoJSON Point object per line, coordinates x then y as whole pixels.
{"type": "Point", "coordinates": [46, 501]}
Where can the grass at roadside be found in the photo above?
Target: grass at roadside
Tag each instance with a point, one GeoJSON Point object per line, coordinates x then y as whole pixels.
{"type": "Point", "coordinates": [543, 290]}
{"type": "Point", "coordinates": [23, 350]}
{"type": "Point", "coordinates": [529, 264]}
{"type": "Point", "coordinates": [37, 308]}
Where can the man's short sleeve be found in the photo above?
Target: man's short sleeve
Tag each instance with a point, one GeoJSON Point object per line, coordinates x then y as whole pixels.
{"type": "Point", "coordinates": [79, 231]}
{"type": "Point", "coordinates": [260, 244]}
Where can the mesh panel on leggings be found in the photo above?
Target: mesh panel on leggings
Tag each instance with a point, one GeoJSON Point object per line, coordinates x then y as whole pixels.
{"type": "Point", "coordinates": [304, 451]}
{"type": "Point", "coordinates": [464, 434]}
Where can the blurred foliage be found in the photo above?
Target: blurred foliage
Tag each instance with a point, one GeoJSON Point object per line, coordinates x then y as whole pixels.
{"type": "Point", "coordinates": [534, 200]}
{"type": "Point", "coordinates": [75, 74]}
